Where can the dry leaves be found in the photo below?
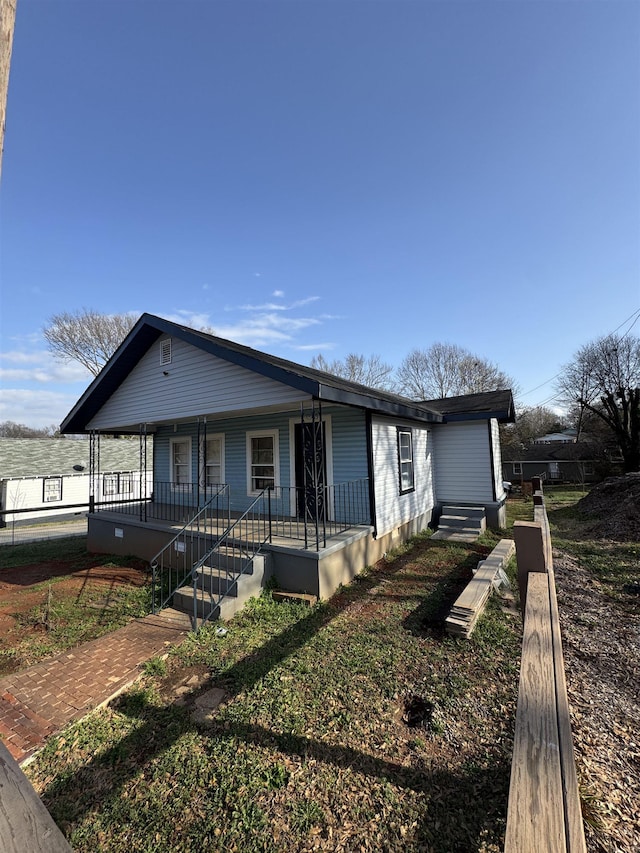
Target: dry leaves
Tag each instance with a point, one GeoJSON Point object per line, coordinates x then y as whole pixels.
{"type": "Point", "coordinates": [601, 644]}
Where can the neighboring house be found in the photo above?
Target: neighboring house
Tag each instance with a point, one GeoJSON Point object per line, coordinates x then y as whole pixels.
{"type": "Point", "coordinates": [344, 472]}
{"type": "Point", "coordinates": [51, 476]}
{"type": "Point", "coordinates": [562, 462]}
{"type": "Point", "coordinates": [567, 436]}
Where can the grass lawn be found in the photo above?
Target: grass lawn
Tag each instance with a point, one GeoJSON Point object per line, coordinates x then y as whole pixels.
{"type": "Point", "coordinates": [54, 595]}
{"type": "Point", "coordinates": [353, 725]}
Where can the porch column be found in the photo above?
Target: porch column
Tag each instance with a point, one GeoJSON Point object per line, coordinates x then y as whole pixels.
{"type": "Point", "coordinates": [94, 469]}
{"type": "Point", "coordinates": [143, 472]}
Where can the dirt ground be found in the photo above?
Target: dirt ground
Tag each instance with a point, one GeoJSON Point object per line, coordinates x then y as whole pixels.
{"type": "Point", "coordinates": [24, 588]}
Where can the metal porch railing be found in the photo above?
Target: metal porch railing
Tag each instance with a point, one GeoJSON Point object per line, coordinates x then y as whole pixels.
{"type": "Point", "coordinates": [171, 567]}
{"type": "Point", "coordinates": [217, 572]}
{"type": "Point", "coordinates": [165, 501]}
{"type": "Point", "coordinates": [313, 516]}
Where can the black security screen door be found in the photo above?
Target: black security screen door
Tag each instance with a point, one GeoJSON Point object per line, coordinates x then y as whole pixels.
{"type": "Point", "coordinates": [310, 470]}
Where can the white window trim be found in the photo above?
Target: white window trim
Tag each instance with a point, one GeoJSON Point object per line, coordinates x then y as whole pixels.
{"type": "Point", "coordinates": [263, 433]}
{"type": "Point", "coordinates": [58, 492]}
{"type": "Point", "coordinates": [406, 431]}
{"type": "Point", "coordinates": [202, 472]}
{"type": "Point", "coordinates": [179, 439]}
{"type": "Point", "coordinates": [517, 467]}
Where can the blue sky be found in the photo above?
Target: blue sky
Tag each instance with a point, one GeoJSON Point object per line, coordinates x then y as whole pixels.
{"type": "Point", "coordinates": [326, 177]}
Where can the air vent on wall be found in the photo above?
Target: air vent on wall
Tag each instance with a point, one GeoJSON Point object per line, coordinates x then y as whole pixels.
{"type": "Point", "coordinates": [165, 351]}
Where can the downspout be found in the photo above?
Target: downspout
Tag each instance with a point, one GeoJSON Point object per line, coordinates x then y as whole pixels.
{"type": "Point", "coordinates": [372, 491]}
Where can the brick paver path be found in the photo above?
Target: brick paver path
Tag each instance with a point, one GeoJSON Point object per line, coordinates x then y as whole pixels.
{"type": "Point", "coordinates": [39, 701]}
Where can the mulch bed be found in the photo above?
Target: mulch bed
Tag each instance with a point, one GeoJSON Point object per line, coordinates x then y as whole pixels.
{"type": "Point", "coordinates": [601, 643]}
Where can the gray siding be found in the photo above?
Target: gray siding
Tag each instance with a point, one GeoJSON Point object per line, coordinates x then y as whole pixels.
{"type": "Point", "coordinates": [462, 463]}
{"type": "Point", "coordinates": [349, 444]}
{"type": "Point", "coordinates": [197, 384]}
{"type": "Point", "coordinates": [392, 508]}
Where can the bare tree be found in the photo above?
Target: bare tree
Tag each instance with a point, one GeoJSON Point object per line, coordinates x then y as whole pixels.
{"type": "Point", "coordinates": [366, 370]}
{"type": "Point", "coordinates": [87, 337]}
{"type": "Point", "coordinates": [447, 370]}
{"type": "Point", "coordinates": [531, 422]}
{"type": "Point", "coordinates": [604, 379]}
{"type": "Point", "coordinates": [10, 429]}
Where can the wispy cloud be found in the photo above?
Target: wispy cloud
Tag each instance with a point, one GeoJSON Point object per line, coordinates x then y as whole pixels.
{"type": "Point", "coordinates": [39, 367]}
{"type": "Point", "coordinates": [319, 347]}
{"type": "Point", "coordinates": [279, 294]}
{"type": "Point", "coordinates": [35, 408]}
{"type": "Point", "coordinates": [278, 306]}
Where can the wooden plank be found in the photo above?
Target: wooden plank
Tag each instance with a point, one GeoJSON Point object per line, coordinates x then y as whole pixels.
{"type": "Point", "coordinates": [574, 825]}
{"type": "Point", "coordinates": [535, 817]}
{"type": "Point", "coordinates": [25, 824]}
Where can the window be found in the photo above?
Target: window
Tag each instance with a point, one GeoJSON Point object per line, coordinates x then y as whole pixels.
{"type": "Point", "coordinates": [180, 461]}
{"type": "Point", "coordinates": [51, 489]}
{"type": "Point", "coordinates": [165, 351]}
{"type": "Point", "coordinates": [405, 460]}
{"type": "Point", "coordinates": [262, 461]}
{"type": "Point", "coordinates": [116, 484]}
{"type": "Point", "coordinates": [211, 461]}
{"type": "Point", "coordinates": [110, 485]}
{"type": "Point", "coordinates": [589, 468]}
{"type": "Point", "coordinates": [517, 467]}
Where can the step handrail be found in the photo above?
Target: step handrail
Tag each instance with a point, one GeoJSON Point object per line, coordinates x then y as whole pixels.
{"type": "Point", "coordinates": [245, 555]}
{"type": "Point", "coordinates": [186, 529]}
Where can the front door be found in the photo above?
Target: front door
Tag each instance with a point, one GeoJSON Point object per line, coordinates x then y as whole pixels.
{"type": "Point", "coordinates": [311, 470]}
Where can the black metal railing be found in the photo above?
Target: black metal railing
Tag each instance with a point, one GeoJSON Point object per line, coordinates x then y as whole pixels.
{"type": "Point", "coordinates": [171, 567]}
{"type": "Point", "coordinates": [314, 515]}
{"type": "Point", "coordinates": [176, 503]}
{"type": "Point", "coordinates": [217, 573]}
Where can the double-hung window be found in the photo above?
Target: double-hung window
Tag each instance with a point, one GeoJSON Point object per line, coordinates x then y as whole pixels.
{"type": "Point", "coordinates": [262, 461]}
{"type": "Point", "coordinates": [211, 460]}
{"type": "Point", "coordinates": [51, 489]}
{"type": "Point", "coordinates": [517, 467]}
{"type": "Point", "coordinates": [180, 462]}
{"type": "Point", "coordinates": [405, 460]}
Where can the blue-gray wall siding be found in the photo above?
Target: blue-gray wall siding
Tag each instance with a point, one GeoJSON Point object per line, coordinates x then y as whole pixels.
{"type": "Point", "coordinates": [347, 440]}
{"type": "Point", "coordinates": [463, 470]}
{"type": "Point", "coordinates": [197, 383]}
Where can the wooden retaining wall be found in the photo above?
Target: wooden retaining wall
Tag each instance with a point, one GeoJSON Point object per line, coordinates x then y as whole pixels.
{"type": "Point", "coordinates": [544, 811]}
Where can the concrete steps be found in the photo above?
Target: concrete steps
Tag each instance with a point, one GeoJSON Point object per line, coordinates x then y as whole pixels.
{"type": "Point", "coordinates": [221, 591]}
{"type": "Point", "coordinates": [461, 523]}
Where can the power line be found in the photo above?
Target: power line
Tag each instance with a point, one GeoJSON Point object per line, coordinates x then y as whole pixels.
{"type": "Point", "coordinates": [635, 314]}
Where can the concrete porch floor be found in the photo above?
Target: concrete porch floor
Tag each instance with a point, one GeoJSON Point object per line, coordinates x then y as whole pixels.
{"type": "Point", "coordinates": [286, 533]}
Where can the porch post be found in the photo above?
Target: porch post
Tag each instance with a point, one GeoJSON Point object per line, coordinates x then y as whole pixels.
{"type": "Point", "coordinates": [92, 471]}
{"type": "Point", "coordinates": [143, 471]}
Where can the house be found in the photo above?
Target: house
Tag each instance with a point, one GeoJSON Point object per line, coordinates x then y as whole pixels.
{"type": "Point", "coordinates": [560, 462]}
{"type": "Point", "coordinates": [567, 436]}
{"type": "Point", "coordinates": [327, 474]}
{"type": "Point", "coordinates": [41, 478]}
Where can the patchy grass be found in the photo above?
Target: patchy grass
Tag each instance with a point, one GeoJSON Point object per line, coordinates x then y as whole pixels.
{"type": "Point", "coordinates": [615, 565]}
{"type": "Point", "coordinates": [68, 548]}
{"type": "Point", "coordinates": [55, 595]}
{"type": "Point", "coordinates": [313, 748]}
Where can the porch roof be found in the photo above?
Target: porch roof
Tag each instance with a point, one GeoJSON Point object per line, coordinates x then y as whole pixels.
{"type": "Point", "coordinates": [323, 386]}
{"type": "Point", "coordinates": [484, 405]}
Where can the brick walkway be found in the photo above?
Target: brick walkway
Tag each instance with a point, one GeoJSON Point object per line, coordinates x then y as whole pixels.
{"type": "Point", "coordinates": [39, 701]}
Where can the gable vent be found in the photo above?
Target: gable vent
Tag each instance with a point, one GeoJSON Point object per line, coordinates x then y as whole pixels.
{"type": "Point", "coordinates": [165, 351]}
